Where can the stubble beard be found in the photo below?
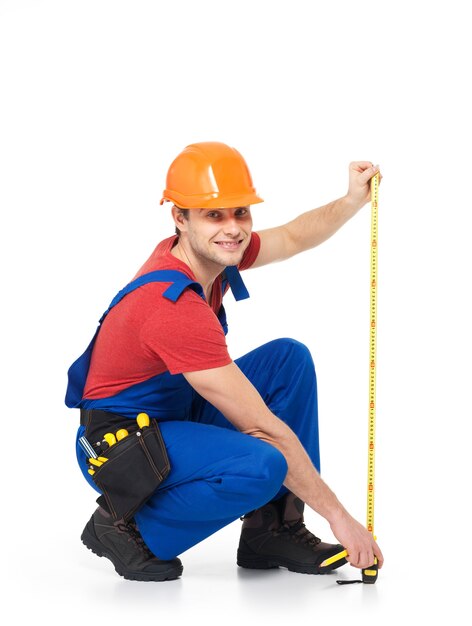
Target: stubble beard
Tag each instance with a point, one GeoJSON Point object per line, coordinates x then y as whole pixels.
{"type": "Point", "coordinates": [206, 254]}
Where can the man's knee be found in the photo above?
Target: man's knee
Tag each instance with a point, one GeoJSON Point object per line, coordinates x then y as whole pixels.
{"type": "Point", "coordinates": [269, 468]}
{"type": "Point", "coordinates": [296, 348]}
{"type": "Point", "coordinates": [291, 354]}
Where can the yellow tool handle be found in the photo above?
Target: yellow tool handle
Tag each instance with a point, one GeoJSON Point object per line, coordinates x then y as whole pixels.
{"type": "Point", "coordinates": [143, 420]}
{"type": "Point", "coordinates": [96, 462]}
{"type": "Point", "coordinates": [109, 438]}
{"type": "Point", "coordinates": [121, 434]}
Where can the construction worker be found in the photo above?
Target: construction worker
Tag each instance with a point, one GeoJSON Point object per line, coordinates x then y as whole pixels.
{"type": "Point", "coordinates": [237, 438]}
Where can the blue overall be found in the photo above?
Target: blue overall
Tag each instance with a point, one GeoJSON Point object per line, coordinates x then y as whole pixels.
{"type": "Point", "coordinates": [217, 473]}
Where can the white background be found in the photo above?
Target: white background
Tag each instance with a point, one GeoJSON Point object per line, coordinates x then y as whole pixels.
{"type": "Point", "coordinates": [97, 97]}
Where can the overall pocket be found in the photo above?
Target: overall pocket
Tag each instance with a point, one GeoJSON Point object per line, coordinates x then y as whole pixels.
{"type": "Point", "coordinates": [134, 469]}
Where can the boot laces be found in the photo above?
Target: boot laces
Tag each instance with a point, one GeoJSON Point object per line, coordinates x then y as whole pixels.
{"type": "Point", "coordinates": [299, 532]}
{"type": "Point", "coordinates": [134, 535]}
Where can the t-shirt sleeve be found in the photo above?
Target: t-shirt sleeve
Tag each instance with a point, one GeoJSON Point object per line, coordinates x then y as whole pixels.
{"type": "Point", "coordinates": [251, 252]}
{"type": "Point", "coordinates": [186, 335]}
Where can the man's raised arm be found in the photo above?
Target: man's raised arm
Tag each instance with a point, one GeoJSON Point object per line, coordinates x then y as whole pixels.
{"type": "Point", "coordinates": [313, 227]}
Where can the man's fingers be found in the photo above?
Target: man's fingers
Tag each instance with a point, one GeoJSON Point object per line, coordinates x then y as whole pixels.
{"type": "Point", "coordinates": [361, 560]}
{"type": "Point", "coordinates": [368, 173]}
{"type": "Point", "coordinates": [353, 558]}
{"type": "Point", "coordinates": [366, 559]}
{"type": "Point", "coordinates": [360, 166]}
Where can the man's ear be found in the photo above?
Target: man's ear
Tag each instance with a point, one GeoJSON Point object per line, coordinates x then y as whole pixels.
{"type": "Point", "coordinates": [179, 220]}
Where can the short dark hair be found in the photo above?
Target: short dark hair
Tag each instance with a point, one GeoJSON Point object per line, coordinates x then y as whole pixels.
{"type": "Point", "coordinates": [184, 213]}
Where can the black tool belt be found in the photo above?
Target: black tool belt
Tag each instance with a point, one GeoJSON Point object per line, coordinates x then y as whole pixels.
{"type": "Point", "coordinates": [135, 466]}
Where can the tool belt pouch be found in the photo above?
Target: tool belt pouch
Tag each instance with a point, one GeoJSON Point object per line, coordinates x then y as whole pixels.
{"type": "Point", "coordinates": [135, 468]}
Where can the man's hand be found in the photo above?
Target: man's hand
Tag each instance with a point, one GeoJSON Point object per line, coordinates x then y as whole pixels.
{"type": "Point", "coordinates": [360, 173]}
{"type": "Point", "coordinates": [313, 227]}
{"type": "Point", "coordinates": [228, 389]}
{"type": "Point", "coordinates": [360, 546]}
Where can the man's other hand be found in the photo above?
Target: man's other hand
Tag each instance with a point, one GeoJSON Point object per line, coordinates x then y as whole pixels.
{"type": "Point", "coordinates": [360, 173]}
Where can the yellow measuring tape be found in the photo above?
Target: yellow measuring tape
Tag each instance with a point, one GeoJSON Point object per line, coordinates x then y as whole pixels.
{"type": "Point", "coordinates": [369, 575]}
{"type": "Point", "coordinates": [372, 352]}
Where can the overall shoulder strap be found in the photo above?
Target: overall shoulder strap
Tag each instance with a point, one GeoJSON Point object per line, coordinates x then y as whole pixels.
{"type": "Point", "coordinates": [78, 371]}
{"type": "Point", "coordinates": [237, 286]}
{"type": "Point", "coordinates": [179, 281]}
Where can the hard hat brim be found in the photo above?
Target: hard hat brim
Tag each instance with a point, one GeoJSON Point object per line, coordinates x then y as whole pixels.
{"type": "Point", "coordinates": [210, 201]}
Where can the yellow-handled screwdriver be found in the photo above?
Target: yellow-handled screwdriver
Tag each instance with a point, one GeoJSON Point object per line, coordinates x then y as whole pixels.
{"type": "Point", "coordinates": [121, 434]}
{"type": "Point", "coordinates": [99, 461]}
{"type": "Point", "coordinates": [143, 420]}
{"type": "Point", "coordinates": [110, 439]}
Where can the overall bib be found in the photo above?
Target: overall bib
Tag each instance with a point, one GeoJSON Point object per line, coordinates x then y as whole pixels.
{"type": "Point", "coordinates": [217, 473]}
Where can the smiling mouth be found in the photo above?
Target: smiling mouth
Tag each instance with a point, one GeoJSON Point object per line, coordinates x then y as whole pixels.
{"type": "Point", "coordinates": [229, 245]}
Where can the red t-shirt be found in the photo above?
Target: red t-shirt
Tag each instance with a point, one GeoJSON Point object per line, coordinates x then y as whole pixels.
{"type": "Point", "coordinates": [146, 334]}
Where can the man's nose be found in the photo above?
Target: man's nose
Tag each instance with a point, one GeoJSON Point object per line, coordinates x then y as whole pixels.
{"type": "Point", "coordinates": [231, 227]}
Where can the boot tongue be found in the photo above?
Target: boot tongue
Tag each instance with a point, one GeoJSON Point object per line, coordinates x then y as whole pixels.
{"type": "Point", "coordinates": [292, 519]}
{"type": "Point", "coordinates": [292, 509]}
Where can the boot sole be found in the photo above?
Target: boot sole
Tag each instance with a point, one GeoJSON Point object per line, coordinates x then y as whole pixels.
{"type": "Point", "coordinates": [255, 561]}
{"type": "Point", "coordinates": [96, 547]}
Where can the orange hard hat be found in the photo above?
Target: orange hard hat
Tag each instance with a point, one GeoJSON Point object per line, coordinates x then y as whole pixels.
{"type": "Point", "coordinates": [209, 175]}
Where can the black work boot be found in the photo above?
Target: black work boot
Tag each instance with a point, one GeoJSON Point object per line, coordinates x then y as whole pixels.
{"type": "Point", "coordinates": [122, 543]}
{"type": "Point", "coordinates": [275, 536]}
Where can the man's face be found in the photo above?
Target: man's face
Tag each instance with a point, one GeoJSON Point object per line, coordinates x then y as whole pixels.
{"type": "Point", "coordinates": [219, 235]}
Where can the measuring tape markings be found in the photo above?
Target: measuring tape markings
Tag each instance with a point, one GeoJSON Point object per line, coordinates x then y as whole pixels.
{"type": "Point", "coordinates": [369, 575]}
{"type": "Point", "coordinates": [372, 353]}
